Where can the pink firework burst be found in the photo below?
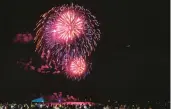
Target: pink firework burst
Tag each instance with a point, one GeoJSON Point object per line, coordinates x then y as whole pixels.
{"type": "Point", "coordinates": [68, 26]}
{"type": "Point", "coordinates": [76, 68]}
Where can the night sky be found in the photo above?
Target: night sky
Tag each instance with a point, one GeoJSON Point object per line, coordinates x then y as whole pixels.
{"type": "Point", "coordinates": [131, 62]}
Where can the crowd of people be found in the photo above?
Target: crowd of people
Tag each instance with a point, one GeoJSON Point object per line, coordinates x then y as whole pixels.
{"type": "Point", "coordinates": [81, 106]}
{"type": "Point", "coordinates": [44, 106]}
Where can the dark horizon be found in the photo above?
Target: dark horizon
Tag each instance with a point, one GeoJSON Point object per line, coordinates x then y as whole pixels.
{"type": "Point", "coordinates": [131, 62]}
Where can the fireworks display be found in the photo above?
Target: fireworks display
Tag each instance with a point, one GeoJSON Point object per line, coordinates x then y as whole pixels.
{"type": "Point", "coordinates": [68, 30]}
{"type": "Point", "coordinates": [65, 36]}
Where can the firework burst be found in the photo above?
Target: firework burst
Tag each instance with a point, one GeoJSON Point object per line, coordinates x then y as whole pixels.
{"type": "Point", "coordinates": [68, 26]}
{"type": "Point", "coordinates": [77, 68]}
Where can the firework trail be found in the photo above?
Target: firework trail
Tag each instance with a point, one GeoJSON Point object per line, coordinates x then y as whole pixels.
{"type": "Point", "coordinates": [66, 31]}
